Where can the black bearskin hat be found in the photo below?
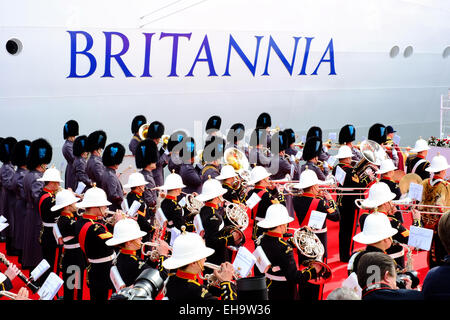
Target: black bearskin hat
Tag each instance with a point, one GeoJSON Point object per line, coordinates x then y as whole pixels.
{"type": "Point", "coordinates": [6, 149]}
{"type": "Point", "coordinates": [79, 145]}
{"type": "Point", "coordinates": [312, 148]}
{"type": "Point", "coordinates": [347, 134]}
{"type": "Point", "coordinates": [213, 124]}
{"type": "Point", "coordinates": [314, 132]}
{"type": "Point", "coordinates": [70, 129]}
{"type": "Point", "coordinates": [96, 140]}
{"type": "Point", "coordinates": [264, 121]}
{"type": "Point", "coordinates": [113, 154]}
{"type": "Point", "coordinates": [41, 152]}
{"type": "Point", "coordinates": [20, 153]}
{"type": "Point", "coordinates": [137, 122]}
{"type": "Point", "coordinates": [146, 153]}
{"type": "Point", "coordinates": [175, 138]}
{"type": "Point", "coordinates": [155, 130]}
{"type": "Point", "coordinates": [214, 149]}
{"type": "Point", "coordinates": [236, 133]}
{"type": "Point", "coordinates": [377, 133]}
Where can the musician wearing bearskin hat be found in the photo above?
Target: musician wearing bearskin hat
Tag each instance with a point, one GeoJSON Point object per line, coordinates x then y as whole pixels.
{"type": "Point", "coordinates": [96, 142]}
{"type": "Point", "coordinates": [112, 157]}
{"type": "Point", "coordinates": [137, 122]}
{"type": "Point", "coordinates": [40, 155]}
{"type": "Point", "coordinates": [155, 132]}
{"type": "Point", "coordinates": [347, 135]}
{"type": "Point", "coordinates": [81, 154]}
{"type": "Point", "coordinates": [19, 159]}
{"type": "Point", "coordinates": [190, 173]}
{"type": "Point", "coordinates": [70, 131]}
{"type": "Point", "coordinates": [7, 194]}
{"type": "Point", "coordinates": [174, 146]}
{"type": "Point", "coordinates": [212, 155]}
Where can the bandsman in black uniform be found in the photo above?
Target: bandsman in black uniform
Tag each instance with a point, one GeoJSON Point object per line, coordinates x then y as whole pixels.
{"type": "Point", "coordinates": [70, 132]}
{"type": "Point", "coordinates": [92, 236]}
{"type": "Point", "coordinates": [418, 164]}
{"type": "Point", "coordinates": [187, 263]}
{"type": "Point", "coordinates": [172, 210]}
{"type": "Point", "coordinates": [386, 171]}
{"type": "Point", "coordinates": [313, 199]}
{"type": "Point", "coordinates": [137, 184]}
{"type": "Point", "coordinates": [380, 200]}
{"type": "Point", "coordinates": [40, 155]}
{"type": "Point", "coordinates": [230, 182]}
{"type": "Point", "coordinates": [137, 122]}
{"type": "Point", "coordinates": [155, 132]}
{"type": "Point", "coordinates": [189, 171]}
{"type": "Point", "coordinates": [173, 146]}
{"type": "Point", "coordinates": [346, 202]}
{"type": "Point", "coordinates": [19, 159]}
{"type": "Point", "coordinates": [283, 275]}
{"type": "Point", "coordinates": [212, 155]}
{"type": "Point", "coordinates": [347, 135]}
{"type": "Point", "coordinates": [146, 158]}
{"type": "Point", "coordinates": [268, 193]}
{"type": "Point", "coordinates": [80, 154]}
{"type": "Point", "coordinates": [7, 196]}
{"type": "Point", "coordinates": [51, 247]}
{"type": "Point", "coordinates": [211, 215]}
{"type": "Point", "coordinates": [73, 262]}
{"type": "Point", "coordinates": [96, 142]}
{"type": "Point", "coordinates": [112, 157]}
{"type": "Point", "coordinates": [128, 238]}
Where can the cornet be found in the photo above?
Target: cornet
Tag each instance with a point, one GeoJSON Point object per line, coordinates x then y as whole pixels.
{"type": "Point", "coordinates": [152, 253]}
{"type": "Point", "coordinates": [211, 278]}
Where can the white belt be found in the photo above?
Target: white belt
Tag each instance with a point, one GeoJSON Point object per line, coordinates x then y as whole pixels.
{"type": "Point", "coordinates": [259, 219]}
{"type": "Point", "coordinates": [46, 224]}
{"type": "Point", "coordinates": [101, 260]}
{"type": "Point", "coordinates": [275, 278]}
{"type": "Point", "coordinates": [398, 254]}
{"type": "Point", "coordinates": [68, 238]}
{"type": "Point", "coordinates": [320, 230]}
{"type": "Point", "coordinates": [71, 246]}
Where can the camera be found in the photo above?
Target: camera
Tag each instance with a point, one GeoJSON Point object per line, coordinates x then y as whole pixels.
{"type": "Point", "coordinates": [412, 275]}
{"type": "Point", "coordinates": [146, 287]}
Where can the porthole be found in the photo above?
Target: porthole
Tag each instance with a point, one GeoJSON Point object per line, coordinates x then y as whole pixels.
{"type": "Point", "coordinates": [446, 52]}
{"type": "Point", "coordinates": [13, 46]}
{"type": "Point", "coordinates": [408, 51]}
{"type": "Point", "coordinates": [394, 51]}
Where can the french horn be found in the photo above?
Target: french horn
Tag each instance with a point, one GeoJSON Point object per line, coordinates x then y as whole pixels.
{"type": "Point", "coordinates": [311, 247]}
{"type": "Point", "coordinates": [236, 214]}
{"type": "Point", "coordinates": [192, 204]}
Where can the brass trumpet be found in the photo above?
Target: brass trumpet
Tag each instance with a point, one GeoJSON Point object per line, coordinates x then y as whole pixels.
{"type": "Point", "coordinates": [143, 131]}
{"type": "Point", "coordinates": [152, 253]}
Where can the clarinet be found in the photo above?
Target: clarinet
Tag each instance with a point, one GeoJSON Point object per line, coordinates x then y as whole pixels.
{"type": "Point", "coordinates": [22, 277]}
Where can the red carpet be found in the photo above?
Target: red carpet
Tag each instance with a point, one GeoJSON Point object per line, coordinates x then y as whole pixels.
{"type": "Point", "coordinates": [339, 269]}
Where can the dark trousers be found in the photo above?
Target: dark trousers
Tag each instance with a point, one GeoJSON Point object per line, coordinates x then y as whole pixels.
{"type": "Point", "coordinates": [73, 268]}
{"type": "Point", "coordinates": [99, 281]}
{"type": "Point", "coordinates": [347, 229]}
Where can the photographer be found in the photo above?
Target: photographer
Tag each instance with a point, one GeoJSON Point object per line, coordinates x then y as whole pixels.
{"type": "Point", "coordinates": [378, 279]}
{"type": "Point", "coordinates": [437, 283]}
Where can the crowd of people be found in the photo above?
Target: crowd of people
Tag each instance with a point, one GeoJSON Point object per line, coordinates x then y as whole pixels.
{"type": "Point", "coordinates": [94, 230]}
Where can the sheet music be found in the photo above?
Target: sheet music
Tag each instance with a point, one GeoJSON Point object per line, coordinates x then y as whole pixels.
{"type": "Point", "coordinates": [253, 200]}
{"type": "Point", "coordinates": [80, 187]}
{"type": "Point", "coordinates": [116, 279]}
{"type": "Point", "coordinates": [3, 226]}
{"type": "Point", "coordinates": [340, 175]}
{"type": "Point", "coordinates": [40, 269]}
{"type": "Point", "coordinates": [415, 191]}
{"type": "Point", "coordinates": [332, 136]}
{"type": "Point", "coordinates": [160, 217]}
{"type": "Point", "coordinates": [3, 219]}
{"type": "Point", "coordinates": [420, 238]}
{"type": "Point", "coordinates": [262, 262]}
{"type": "Point", "coordinates": [134, 208]}
{"type": "Point", "coordinates": [50, 287]}
{"type": "Point", "coordinates": [396, 139]}
{"type": "Point", "coordinates": [182, 202]}
{"type": "Point", "coordinates": [317, 219]}
{"type": "Point", "coordinates": [244, 262]}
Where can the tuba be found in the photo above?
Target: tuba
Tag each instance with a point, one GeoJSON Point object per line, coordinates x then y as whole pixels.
{"type": "Point", "coordinates": [143, 131]}
{"type": "Point", "coordinates": [311, 247]}
{"type": "Point", "coordinates": [373, 154]}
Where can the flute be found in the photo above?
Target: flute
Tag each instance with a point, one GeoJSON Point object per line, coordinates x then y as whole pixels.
{"type": "Point", "coordinates": [22, 277]}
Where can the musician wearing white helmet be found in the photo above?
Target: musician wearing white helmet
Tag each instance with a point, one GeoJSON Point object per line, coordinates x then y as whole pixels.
{"type": "Point", "coordinates": [189, 254]}
{"type": "Point", "coordinates": [229, 178]}
{"type": "Point", "coordinates": [268, 194]}
{"type": "Point", "coordinates": [386, 171]}
{"type": "Point", "coordinates": [436, 192]}
{"type": "Point", "coordinates": [283, 275]}
{"type": "Point", "coordinates": [313, 199]}
{"type": "Point", "coordinates": [172, 210]}
{"type": "Point", "coordinates": [52, 180]}
{"type": "Point", "coordinates": [418, 163]}
{"type": "Point", "coordinates": [128, 239]}
{"type": "Point", "coordinates": [345, 201]}
{"type": "Point", "coordinates": [92, 237]}
{"type": "Point", "coordinates": [137, 184]}
{"type": "Point", "coordinates": [65, 204]}
{"type": "Point", "coordinates": [380, 200]}
{"type": "Point", "coordinates": [211, 215]}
